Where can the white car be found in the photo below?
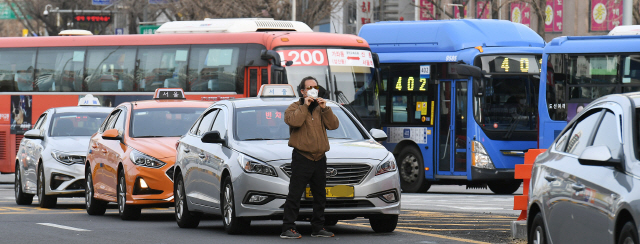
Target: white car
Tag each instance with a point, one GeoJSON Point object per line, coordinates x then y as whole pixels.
{"type": "Point", "coordinates": [50, 160]}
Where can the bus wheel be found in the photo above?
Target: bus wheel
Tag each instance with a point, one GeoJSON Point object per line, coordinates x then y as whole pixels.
{"type": "Point", "coordinates": [504, 187]}
{"type": "Point", "coordinates": [411, 169]}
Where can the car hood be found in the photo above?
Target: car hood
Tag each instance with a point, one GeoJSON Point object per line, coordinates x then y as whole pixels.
{"type": "Point", "coordinates": [340, 149]}
{"type": "Point", "coordinates": [157, 147]}
{"type": "Point", "coordinates": [71, 144]}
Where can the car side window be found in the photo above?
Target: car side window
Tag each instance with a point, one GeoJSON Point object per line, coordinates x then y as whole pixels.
{"type": "Point", "coordinates": [581, 133]}
{"type": "Point", "coordinates": [40, 121]}
{"type": "Point", "coordinates": [607, 134]}
{"type": "Point", "coordinates": [119, 124]}
{"type": "Point", "coordinates": [220, 124]}
{"type": "Point", "coordinates": [562, 141]}
{"type": "Point", "coordinates": [108, 120]}
{"type": "Point", "coordinates": [205, 123]}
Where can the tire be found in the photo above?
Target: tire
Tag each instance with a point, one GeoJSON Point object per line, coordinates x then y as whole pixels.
{"type": "Point", "coordinates": [411, 167]}
{"type": "Point", "coordinates": [94, 206]}
{"type": "Point", "coordinates": [330, 221]}
{"type": "Point", "coordinates": [44, 201]}
{"type": "Point", "coordinates": [537, 233]}
{"type": "Point", "coordinates": [127, 212]}
{"type": "Point", "coordinates": [21, 197]}
{"type": "Point", "coordinates": [504, 187]}
{"type": "Point", "coordinates": [383, 224]}
{"type": "Point", "coordinates": [628, 234]}
{"type": "Point", "coordinates": [232, 225]}
{"type": "Point", "coordinates": [184, 217]}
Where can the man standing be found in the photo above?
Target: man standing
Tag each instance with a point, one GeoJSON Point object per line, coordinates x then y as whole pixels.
{"type": "Point", "coordinates": [308, 120]}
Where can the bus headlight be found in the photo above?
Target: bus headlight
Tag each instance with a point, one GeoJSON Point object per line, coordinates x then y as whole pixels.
{"type": "Point", "coordinates": [479, 156]}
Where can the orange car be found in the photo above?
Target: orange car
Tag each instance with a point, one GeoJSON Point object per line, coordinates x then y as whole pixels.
{"type": "Point", "coordinates": [130, 159]}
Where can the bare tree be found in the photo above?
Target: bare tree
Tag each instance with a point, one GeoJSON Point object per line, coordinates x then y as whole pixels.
{"type": "Point", "coordinates": [538, 7]}
{"type": "Point", "coordinates": [307, 11]}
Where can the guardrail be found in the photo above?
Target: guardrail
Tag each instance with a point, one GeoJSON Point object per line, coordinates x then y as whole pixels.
{"type": "Point", "coordinates": [523, 171]}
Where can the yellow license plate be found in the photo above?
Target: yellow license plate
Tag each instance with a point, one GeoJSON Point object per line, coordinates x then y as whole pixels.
{"type": "Point", "coordinates": [335, 192]}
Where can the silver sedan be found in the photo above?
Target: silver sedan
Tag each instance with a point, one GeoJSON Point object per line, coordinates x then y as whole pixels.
{"type": "Point", "coordinates": [583, 188]}
{"type": "Point", "coordinates": [50, 159]}
{"type": "Point", "coordinates": [235, 162]}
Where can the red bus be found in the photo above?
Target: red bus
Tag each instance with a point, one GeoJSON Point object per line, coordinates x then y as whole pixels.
{"type": "Point", "coordinates": [39, 73]}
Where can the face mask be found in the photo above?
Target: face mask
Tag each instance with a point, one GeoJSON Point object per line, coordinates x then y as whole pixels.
{"type": "Point", "coordinates": [313, 93]}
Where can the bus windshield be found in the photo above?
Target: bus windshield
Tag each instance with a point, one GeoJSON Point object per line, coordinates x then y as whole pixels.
{"type": "Point", "coordinates": [508, 108]}
{"type": "Point", "coordinates": [347, 75]}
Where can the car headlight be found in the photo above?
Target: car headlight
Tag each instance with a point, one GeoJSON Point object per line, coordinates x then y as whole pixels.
{"type": "Point", "coordinates": [251, 165]}
{"type": "Point", "coordinates": [479, 156]}
{"type": "Point", "coordinates": [387, 165]}
{"type": "Point", "coordinates": [142, 159]}
{"type": "Point", "coordinates": [66, 158]}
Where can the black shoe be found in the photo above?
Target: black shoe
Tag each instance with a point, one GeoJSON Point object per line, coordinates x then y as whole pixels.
{"type": "Point", "coordinates": [322, 233]}
{"type": "Point", "coordinates": [290, 234]}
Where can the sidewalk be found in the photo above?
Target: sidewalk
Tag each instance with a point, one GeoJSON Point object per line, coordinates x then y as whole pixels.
{"type": "Point", "coordinates": [6, 178]}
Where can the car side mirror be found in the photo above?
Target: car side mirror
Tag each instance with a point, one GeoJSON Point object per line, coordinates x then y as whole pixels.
{"type": "Point", "coordinates": [378, 135]}
{"type": "Point", "coordinates": [33, 134]}
{"type": "Point", "coordinates": [476, 73]}
{"type": "Point", "coordinates": [213, 137]}
{"type": "Point", "coordinates": [111, 134]}
{"type": "Point", "coordinates": [598, 156]}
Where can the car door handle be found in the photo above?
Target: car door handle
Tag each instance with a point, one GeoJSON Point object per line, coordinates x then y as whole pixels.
{"type": "Point", "coordinates": [550, 178]}
{"type": "Point", "coordinates": [186, 150]}
{"type": "Point", "coordinates": [201, 155]}
{"type": "Point", "coordinates": [94, 146]}
{"type": "Point", "coordinates": [104, 150]}
{"type": "Point", "coordinates": [577, 187]}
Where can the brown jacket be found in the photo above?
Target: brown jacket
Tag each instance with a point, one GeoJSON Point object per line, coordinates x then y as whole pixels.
{"type": "Point", "coordinates": [308, 131]}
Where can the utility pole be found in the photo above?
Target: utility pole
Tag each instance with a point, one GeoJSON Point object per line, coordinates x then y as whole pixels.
{"type": "Point", "coordinates": [627, 15]}
{"type": "Point", "coordinates": [293, 10]}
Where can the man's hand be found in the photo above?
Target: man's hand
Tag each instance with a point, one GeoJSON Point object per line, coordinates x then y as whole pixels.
{"type": "Point", "coordinates": [308, 101]}
{"type": "Point", "coordinates": [322, 102]}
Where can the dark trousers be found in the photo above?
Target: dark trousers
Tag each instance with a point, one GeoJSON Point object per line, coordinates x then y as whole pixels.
{"type": "Point", "coordinates": [305, 171]}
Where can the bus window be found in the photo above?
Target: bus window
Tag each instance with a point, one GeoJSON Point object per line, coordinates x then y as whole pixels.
{"type": "Point", "coordinates": [631, 73]}
{"type": "Point", "coordinates": [16, 67]}
{"type": "Point", "coordinates": [586, 73]}
{"type": "Point", "coordinates": [60, 69]}
{"type": "Point", "coordinates": [556, 80]}
{"type": "Point", "coordinates": [110, 69]}
{"type": "Point", "coordinates": [214, 68]}
{"type": "Point", "coordinates": [162, 66]}
{"type": "Point", "coordinates": [411, 96]}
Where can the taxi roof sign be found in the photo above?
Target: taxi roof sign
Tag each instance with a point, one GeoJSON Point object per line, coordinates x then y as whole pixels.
{"type": "Point", "coordinates": [169, 93]}
{"type": "Point", "coordinates": [277, 90]}
{"type": "Point", "coordinates": [89, 100]}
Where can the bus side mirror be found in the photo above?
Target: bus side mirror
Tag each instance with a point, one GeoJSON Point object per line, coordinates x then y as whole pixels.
{"type": "Point", "coordinates": [376, 59]}
{"type": "Point", "coordinates": [476, 73]}
{"type": "Point", "coordinates": [271, 55]}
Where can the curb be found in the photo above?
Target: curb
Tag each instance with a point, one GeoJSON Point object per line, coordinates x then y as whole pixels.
{"type": "Point", "coordinates": [519, 229]}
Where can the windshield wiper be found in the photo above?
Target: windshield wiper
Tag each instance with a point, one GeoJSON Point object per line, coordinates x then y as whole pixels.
{"type": "Point", "coordinates": [513, 126]}
{"type": "Point", "coordinates": [261, 139]}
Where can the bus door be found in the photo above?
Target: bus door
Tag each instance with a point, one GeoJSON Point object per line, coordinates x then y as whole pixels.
{"type": "Point", "coordinates": [255, 77]}
{"type": "Point", "coordinates": [451, 129]}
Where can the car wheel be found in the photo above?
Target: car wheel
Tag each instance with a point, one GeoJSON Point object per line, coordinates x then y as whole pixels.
{"type": "Point", "coordinates": [330, 221]}
{"type": "Point", "coordinates": [538, 233]}
{"type": "Point", "coordinates": [184, 217]}
{"type": "Point", "coordinates": [628, 234]}
{"type": "Point", "coordinates": [44, 201]}
{"type": "Point", "coordinates": [384, 223]}
{"type": "Point", "coordinates": [21, 197]}
{"type": "Point", "coordinates": [411, 169]}
{"type": "Point", "coordinates": [504, 187]}
{"type": "Point", "coordinates": [127, 212]}
{"type": "Point", "coordinates": [232, 224]}
{"type": "Point", "coordinates": [94, 206]}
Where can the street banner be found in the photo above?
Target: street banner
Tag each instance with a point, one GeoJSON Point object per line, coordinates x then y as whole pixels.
{"type": "Point", "coordinates": [605, 14]}
{"type": "Point", "coordinates": [557, 15]}
{"type": "Point", "coordinates": [521, 13]}
{"type": "Point", "coordinates": [427, 10]}
{"type": "Point", "coordinates": [615, 16]}
{"type": "Point", "coordinates": [480, 6]}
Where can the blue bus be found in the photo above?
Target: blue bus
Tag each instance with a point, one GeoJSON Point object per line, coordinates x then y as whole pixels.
{"type": "Point", "coordinates": [458, 99]}
{"type": "Point", "coordinates": [577, 70]}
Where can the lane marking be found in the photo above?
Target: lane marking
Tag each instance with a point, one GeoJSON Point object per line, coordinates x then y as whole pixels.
{"type": "Point", "coordinates": [403, 230]}
{"type": "Point", "coordinates": [62, 227]}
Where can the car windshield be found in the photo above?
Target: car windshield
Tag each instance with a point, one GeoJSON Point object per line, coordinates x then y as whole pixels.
{"type": "Point", "coordinates": [163, 122]}
{"type": "Point", "coordinates": [267, 123]}
{"type": "Point", "coordinates": [76, 124]}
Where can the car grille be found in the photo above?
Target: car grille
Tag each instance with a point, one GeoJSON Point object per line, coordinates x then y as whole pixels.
{"type": "Point", "coordinates": [338, 204]}
{"type": "Point", "coordinates": [170, 173]}
{"type": "Point", "coordinates": [347, 174]}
